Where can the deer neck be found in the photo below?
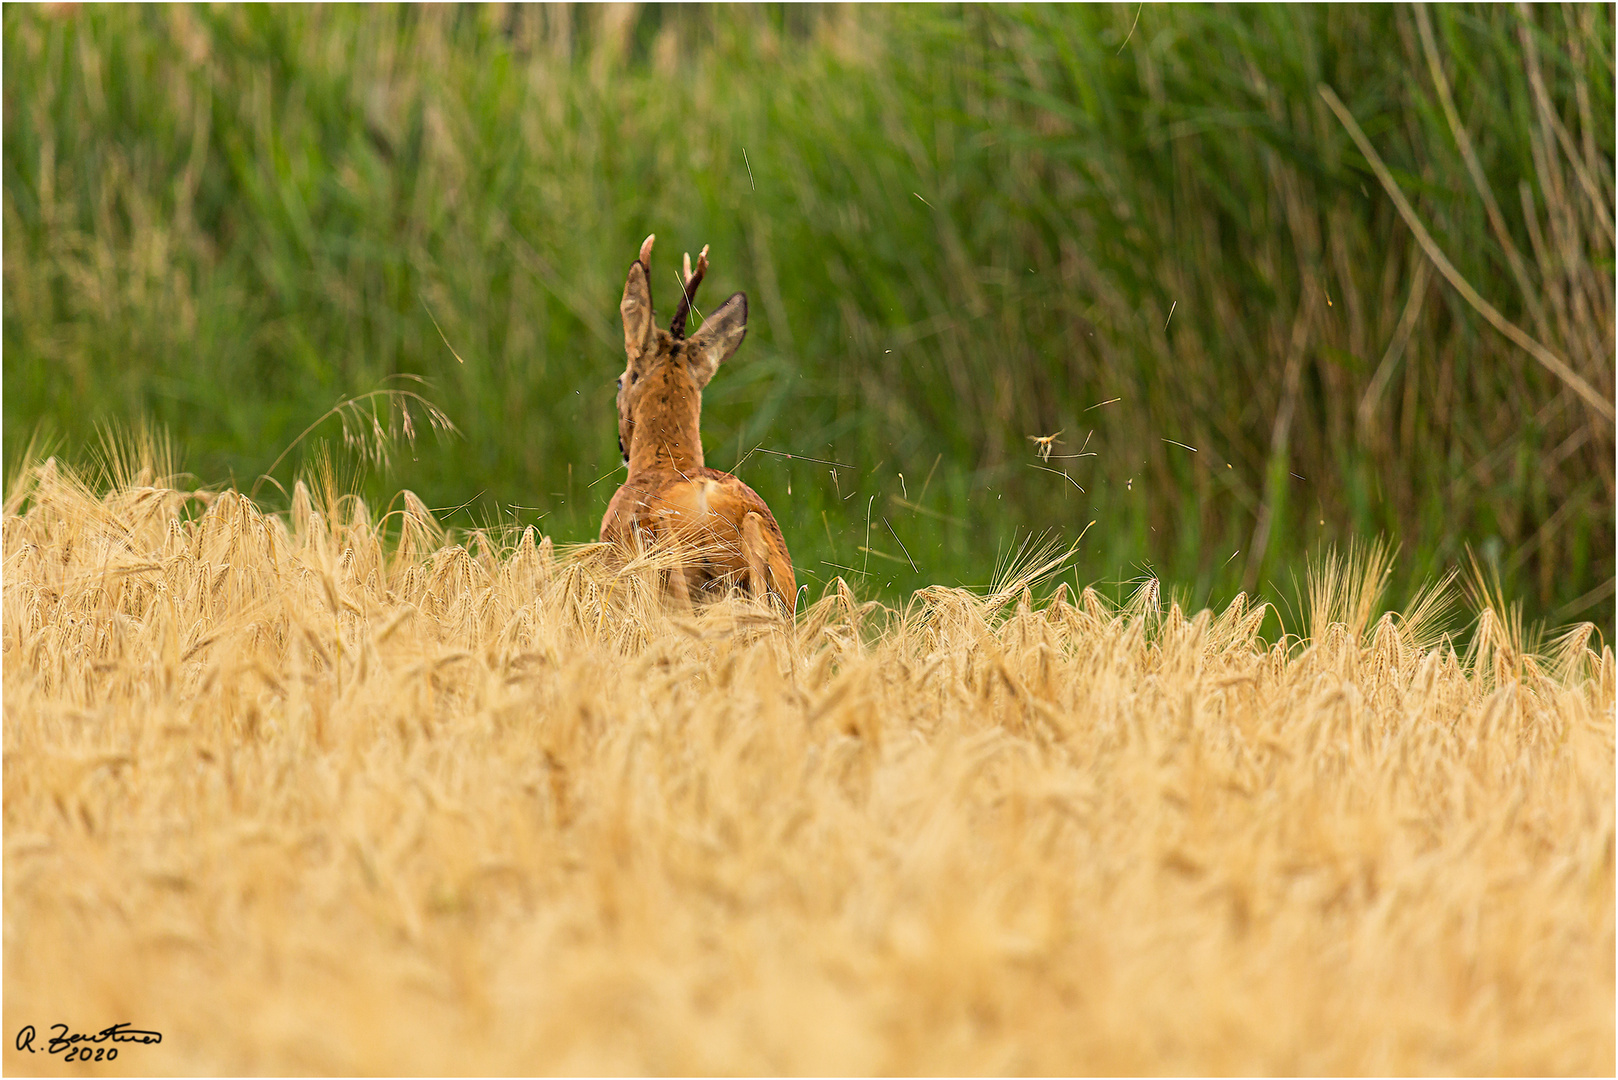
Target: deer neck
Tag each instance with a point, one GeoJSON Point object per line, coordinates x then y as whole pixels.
{"type": "Point", "coordinates": [667, 437]}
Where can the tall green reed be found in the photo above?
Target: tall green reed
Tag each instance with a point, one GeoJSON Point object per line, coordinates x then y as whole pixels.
{"type": "Point", "coordinates": [1140, 230]}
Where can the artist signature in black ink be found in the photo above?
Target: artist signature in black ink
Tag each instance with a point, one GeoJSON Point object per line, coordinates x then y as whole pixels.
{"type": "Point", "coordinates": [77, 1046]}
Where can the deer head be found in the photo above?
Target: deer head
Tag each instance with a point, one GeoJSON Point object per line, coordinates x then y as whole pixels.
{"type": "Point", "coordinates": [660, 391]}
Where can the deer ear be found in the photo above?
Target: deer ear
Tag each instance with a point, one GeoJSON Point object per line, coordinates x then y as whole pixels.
{"type": "Point", "coordinates": [721, 333]}
{"type": "Point", "coordinates": [636, 309]}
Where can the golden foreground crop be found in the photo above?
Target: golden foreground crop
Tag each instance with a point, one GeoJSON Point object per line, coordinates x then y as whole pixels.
{"type": "Point", "coordinates": [306, 803]}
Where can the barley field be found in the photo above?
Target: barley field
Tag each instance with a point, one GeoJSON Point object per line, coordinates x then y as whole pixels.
{"type": "Point", "coordinates": [335, 792]}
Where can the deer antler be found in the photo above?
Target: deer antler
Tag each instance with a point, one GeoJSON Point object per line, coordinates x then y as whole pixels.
{"type": "Point", "coordinates": [688, 289]}
{"type": "Point", "coordinates": [646, 251]}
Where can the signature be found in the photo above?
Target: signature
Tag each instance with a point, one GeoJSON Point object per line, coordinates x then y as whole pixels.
{"type": "Point", "coordinates": [77, 1046]}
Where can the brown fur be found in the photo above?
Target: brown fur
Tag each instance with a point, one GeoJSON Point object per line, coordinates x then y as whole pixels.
{"type": "Point", "coordinates": [725, 533]}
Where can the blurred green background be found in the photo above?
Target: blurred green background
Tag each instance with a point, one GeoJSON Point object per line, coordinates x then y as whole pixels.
{"type": "Point", "coordinates": [1140, 229]}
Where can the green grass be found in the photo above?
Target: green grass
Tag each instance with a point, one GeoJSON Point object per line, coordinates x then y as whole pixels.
{"type": "Point", "coordinates": [958, 228]}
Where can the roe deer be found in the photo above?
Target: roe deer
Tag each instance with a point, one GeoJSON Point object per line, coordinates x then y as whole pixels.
{"type": "Point", "coordinates": [725, 536]}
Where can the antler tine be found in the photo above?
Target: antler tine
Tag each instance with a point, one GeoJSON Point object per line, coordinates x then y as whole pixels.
{"type": "Point", "coordinates": [646, 251]}
{"type": "Point", "coordinates": [689, 283]}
